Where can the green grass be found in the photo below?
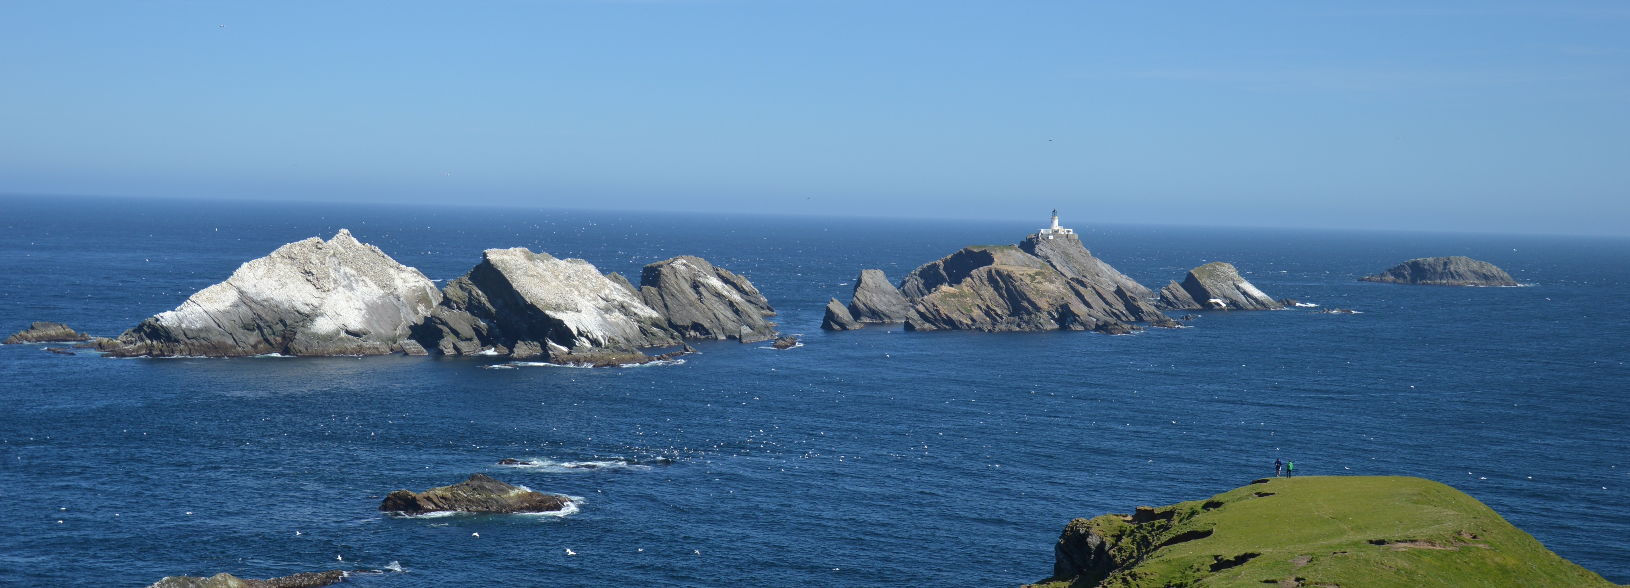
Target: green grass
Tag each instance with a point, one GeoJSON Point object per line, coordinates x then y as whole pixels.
{"type": "Point", "coordinates": [1346, 531]}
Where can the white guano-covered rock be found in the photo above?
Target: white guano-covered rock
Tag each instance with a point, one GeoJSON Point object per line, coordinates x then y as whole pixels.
{"type": "Point", "coordinates": [339, 297]}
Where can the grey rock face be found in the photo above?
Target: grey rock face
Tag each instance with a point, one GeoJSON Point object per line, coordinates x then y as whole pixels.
{"type": "Point", "coordinates": [1444, 271]}
{"type": "Point", "coordinates": [838, 318]}
{"type": "Point", "coordinates": [43, 332]}
{"type": "Point", "coordinates": [875, 300]}
{"type": "Point", "coordinates": [1066, 254]}
{"type": "Point", "coordinates": [339, 297]}
{"type": "Point", "coordinates": [532, 304]}
{"type": "Point", "coordinates": [1014, 291]}
{"type": "Point", "coordinates": [224, 580]}
{"type": "Point", "coordinates": [1217, 285]}
{"type": "Point", "coordinates": [700, 301]}
{"type": "Point", "coordinates": [1174, 297]}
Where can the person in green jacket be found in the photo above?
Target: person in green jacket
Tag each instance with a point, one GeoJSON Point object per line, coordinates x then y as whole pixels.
{"type": "Point", "coordinates": [1290, 469]}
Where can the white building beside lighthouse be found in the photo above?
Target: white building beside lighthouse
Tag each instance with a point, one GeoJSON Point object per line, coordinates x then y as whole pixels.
{"type": "Point", "coordinates": [1051, 231]}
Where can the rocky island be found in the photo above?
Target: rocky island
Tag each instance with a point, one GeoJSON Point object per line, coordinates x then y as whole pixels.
{"type": "Point", "coordinates": [477, 494]}
{"type": "Point", "coordinates": [224, 580]}
{"type": "Point", "coordinates": [43, 332]}
{"type": "Point", "coordinates": [338, 297]}
{"type": "Point", "coordinates": [343, 297]}
{"type": "Point", "coordinates": [1049, 281]}
{"type": "Point", "coordinates": [1444, 271]}
{"type": "Point", "coordinates": [1313, 531]}
{"type": "Point", "coordinates": [1215, 285]}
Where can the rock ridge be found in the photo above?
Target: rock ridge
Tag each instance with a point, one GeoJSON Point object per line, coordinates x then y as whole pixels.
{"type": "Point", "coordinates": [1444, 271]}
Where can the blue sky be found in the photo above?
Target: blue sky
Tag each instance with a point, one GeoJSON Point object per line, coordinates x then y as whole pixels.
{"type": "Point", "coordinates": [1469, 116]}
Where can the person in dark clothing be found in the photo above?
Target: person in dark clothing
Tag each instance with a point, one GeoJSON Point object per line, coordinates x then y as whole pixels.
{"type": "Point", "coordinates": [1290, 469]}
{"type": "Point", "coordinates": [1278, 467]}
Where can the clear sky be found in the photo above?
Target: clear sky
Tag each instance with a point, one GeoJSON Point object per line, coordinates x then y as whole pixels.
{"type": "Point", "coordinates": [1476, 116]}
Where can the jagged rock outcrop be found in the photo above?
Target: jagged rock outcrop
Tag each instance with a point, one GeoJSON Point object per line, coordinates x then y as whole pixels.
{"type": "Point", "coordinates": [1003, 288]}
{"type": "Point", "coordinates": [700, 301]}
{"type": "Point", "coordinates": [533, 305]}
{"type": "Point", "coordinates": [224, 580]}
{"type": "Point", "coordinates": [875, 300]}
{"type": "Point", "coordinates": [338, 297]}
{"type": "Point", "coordinates": [43, 332]}
{"type": "Point", "coordinates": [838, 318]}
{"type": "Point", "coordinates": [480, 493]}
{"type": "Point", "coordinates": [1444, 271]}
{"type": "Point", "coordinates": [1067, 255]}
{"type": "Point", "coordinates": [785, 343]}
{"type": "Point", "coordinates": [1215, 285]}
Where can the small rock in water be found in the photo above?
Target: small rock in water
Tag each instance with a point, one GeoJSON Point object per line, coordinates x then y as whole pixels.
{"type": "Point", "coordinates": [477, 494]}
{"type": "Point", "coordinates": [224, 580]}
{"type": "Point", "coordinates": [787, 342]}
{"type": "Point", "coordinates": [43, 332]}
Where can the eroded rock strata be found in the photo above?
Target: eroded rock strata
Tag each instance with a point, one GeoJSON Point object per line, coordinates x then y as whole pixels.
{"type": "Point", "coordinates": [1444, 271]}
{"type": "Point", "coordinates": [1215, 285]}
{"type": "Point", "coordinates": [43, 332]}
{"type": "Point", "coordinates": [838, 318]}
{"type": "Point", "coordinates": [224, 580]}
{"type": "Point", "coordinates": [339, 297]}
{"type": "Point", "coordinates": [1070, 257]}
{"type": "Point", "coordinates": [480, 493]}
{"type": "Point", "coordinates": [532, 305]}
{"type": "Point", "coordinates": [1004, 288]}
{"type": "Point", "coordinates": [700, 301]}
{"type": "Point", "coordinates": [875, 300]}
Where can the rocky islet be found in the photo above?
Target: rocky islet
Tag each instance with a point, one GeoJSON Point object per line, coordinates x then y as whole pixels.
{"type": "Point", "coordinates": [478, 494]}
{"type": "Point", "coordinates": [1444, 271]}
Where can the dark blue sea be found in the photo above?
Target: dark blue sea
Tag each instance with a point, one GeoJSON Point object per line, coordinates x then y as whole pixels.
{"type": "Point", "coordinates": [868, 458]}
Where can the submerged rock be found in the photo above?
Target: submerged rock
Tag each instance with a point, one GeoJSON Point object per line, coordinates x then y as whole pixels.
{"type": "Point", "coordinates": [875, 300]}
{"type": "Point", "coordinates": [223, 580]}
{"type": "Point", "coordinates": [1003, 288]}
{"type": "Point", "coordinates": [701, 301]}
{"type": "Point", "coordinates": [1215, 285]}
{"type": "Point", "coordinates": [477, 494]}
{"type": "Point", "coordinates": [838, 319]}
{"type": "Point", "coordinates": [43, 332]}
{"type": "Point", "coordinates": [338, 297]}
{"type": "Point", "coordinates": [528, 305]}
{"type": "Point", "coordinates": [1444, 271]}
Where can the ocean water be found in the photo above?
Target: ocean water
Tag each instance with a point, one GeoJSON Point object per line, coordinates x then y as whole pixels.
{"type": "Point", "coordinates": [866, 458]}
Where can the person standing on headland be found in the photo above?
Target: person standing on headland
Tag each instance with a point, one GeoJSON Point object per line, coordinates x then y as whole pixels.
{"type": "Point", "coordinates": [1290, 469]}
{"type": "Point", "coordinates": [1278, 467]}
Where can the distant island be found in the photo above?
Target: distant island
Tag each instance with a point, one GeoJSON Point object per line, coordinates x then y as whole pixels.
{"type": "Point", "coordinates": [1049, 281]}
{"type": "Point", "coordinates": [1344, 531]}
{"type": "Point", "coordinates": [1444, 271]}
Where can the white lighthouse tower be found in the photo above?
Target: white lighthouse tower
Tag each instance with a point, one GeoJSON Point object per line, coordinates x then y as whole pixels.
{"type": "Point", "coordinates": [1054, 230]}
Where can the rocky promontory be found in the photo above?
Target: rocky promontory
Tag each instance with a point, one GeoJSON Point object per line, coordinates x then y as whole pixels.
{"type": "Point", "coordinates": [700, 301]}
{"type": "Point", "coordinates": [1215, 285]}
{"type": "Point", "coordinates": [533, 305]}
{"type": "Point", "coordinates": [43, 332]}
{"type": "Point", "coordinates": [480, 493]}
{"type": "Point", "coordinates": [875, 300]}
{"type": "Point", "coordinates": [1004, 288]}
{"type": "Point", "coordinates": [838, 318]}
{"type": "Point", "coordinates": [224, 580]}
{"type": "Point", "coordinates": [1312, 531]}
{"type": "Point", "coordinates": [1070, 257]}
{"type": "Point", "coordinates": [338, 297]}
{"type": "Point", "coordinates": [1444, 271]}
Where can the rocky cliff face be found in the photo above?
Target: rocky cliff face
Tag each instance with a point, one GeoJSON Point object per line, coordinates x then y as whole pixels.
{"type": "Point", "coordinates": [480, 493]}
{"type": "Point", "coordinates": [1067, 255]}
{"type": "Point", "coordinates": [700, 301]}
{"type": "Point", "coordinates": [1444, 271]}
{"type": "Point", "coordinates": [339, 297]}
{"type": "Point", "coordinates": [875, 300]}
{"type": "Point", "coordinates": [1215, 285]}
{"type": "Point", "coordinates": [528, 305]}
{"type": "Point", "coordinates": [1003, 288]}
{"type": "Point", "coordinates": [42, 332]}
{"type": "Point", "coordinates": [838, 319]}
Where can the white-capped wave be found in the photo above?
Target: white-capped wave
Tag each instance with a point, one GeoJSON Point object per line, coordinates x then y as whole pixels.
{"type": "Point", "coordinates": [550, 465]}
{"type": "Point", "coordinates": [1307, 305]}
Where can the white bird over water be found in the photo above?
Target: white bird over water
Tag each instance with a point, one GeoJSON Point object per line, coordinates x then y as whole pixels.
{"type": "Point", "coordinates": [475, 534]}
{"type": "Point", "coordinates": [570, 552]}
